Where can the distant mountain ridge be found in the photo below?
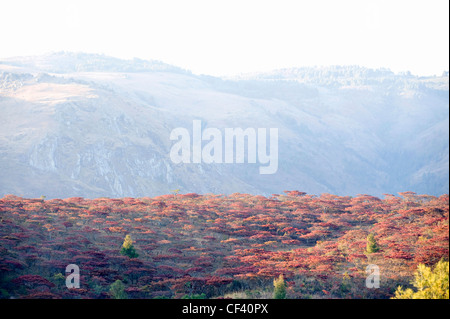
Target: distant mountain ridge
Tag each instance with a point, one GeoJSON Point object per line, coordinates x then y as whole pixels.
{"type": "Point", "coordinates": [70, 62]}
{"type": "Point", "coordinates": [78, 124]}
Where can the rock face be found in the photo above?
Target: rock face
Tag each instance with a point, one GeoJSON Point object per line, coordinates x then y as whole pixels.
{"type": "Point", "coordinates": [91, 126]}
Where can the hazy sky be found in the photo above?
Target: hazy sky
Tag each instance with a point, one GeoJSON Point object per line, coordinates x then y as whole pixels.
{"type": "Point", "coordinates": [234, 36]}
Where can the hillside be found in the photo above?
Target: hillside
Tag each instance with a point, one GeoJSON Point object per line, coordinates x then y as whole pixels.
{"type": "Point", "coordinates": [95, 126]}
{"type": "Point", "coordinates": [216, 246]}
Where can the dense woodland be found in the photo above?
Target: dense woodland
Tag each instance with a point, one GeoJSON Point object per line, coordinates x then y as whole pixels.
{"type": "Point", "coordinates": [217, 246]}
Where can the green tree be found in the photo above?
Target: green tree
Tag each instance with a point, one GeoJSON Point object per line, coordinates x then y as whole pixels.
{"type": "Point", "coordinates": [430, 283]}
{"type": "Point", "coordinates": [346, 283]}
{"type": "Point", "coordinates": [279, 291]}
{"type": "Point", "coordinates": [128, 248]}
{"type": "Point", "coordinates": [372, 246]}
{"type": "Point", "coordinates": [195, 296]}
{"type": "Point", "coordinates": [117, 290]}
{"type": "Point", "coordinates": [59, 279]}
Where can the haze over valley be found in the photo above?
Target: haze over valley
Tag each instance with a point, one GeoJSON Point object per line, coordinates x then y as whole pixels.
{"type": "Point", "coordinates": [78, 124]}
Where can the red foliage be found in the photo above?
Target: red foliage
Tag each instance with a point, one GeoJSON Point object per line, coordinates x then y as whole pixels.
{"type": "Point", "coordinates": [195, 243]}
